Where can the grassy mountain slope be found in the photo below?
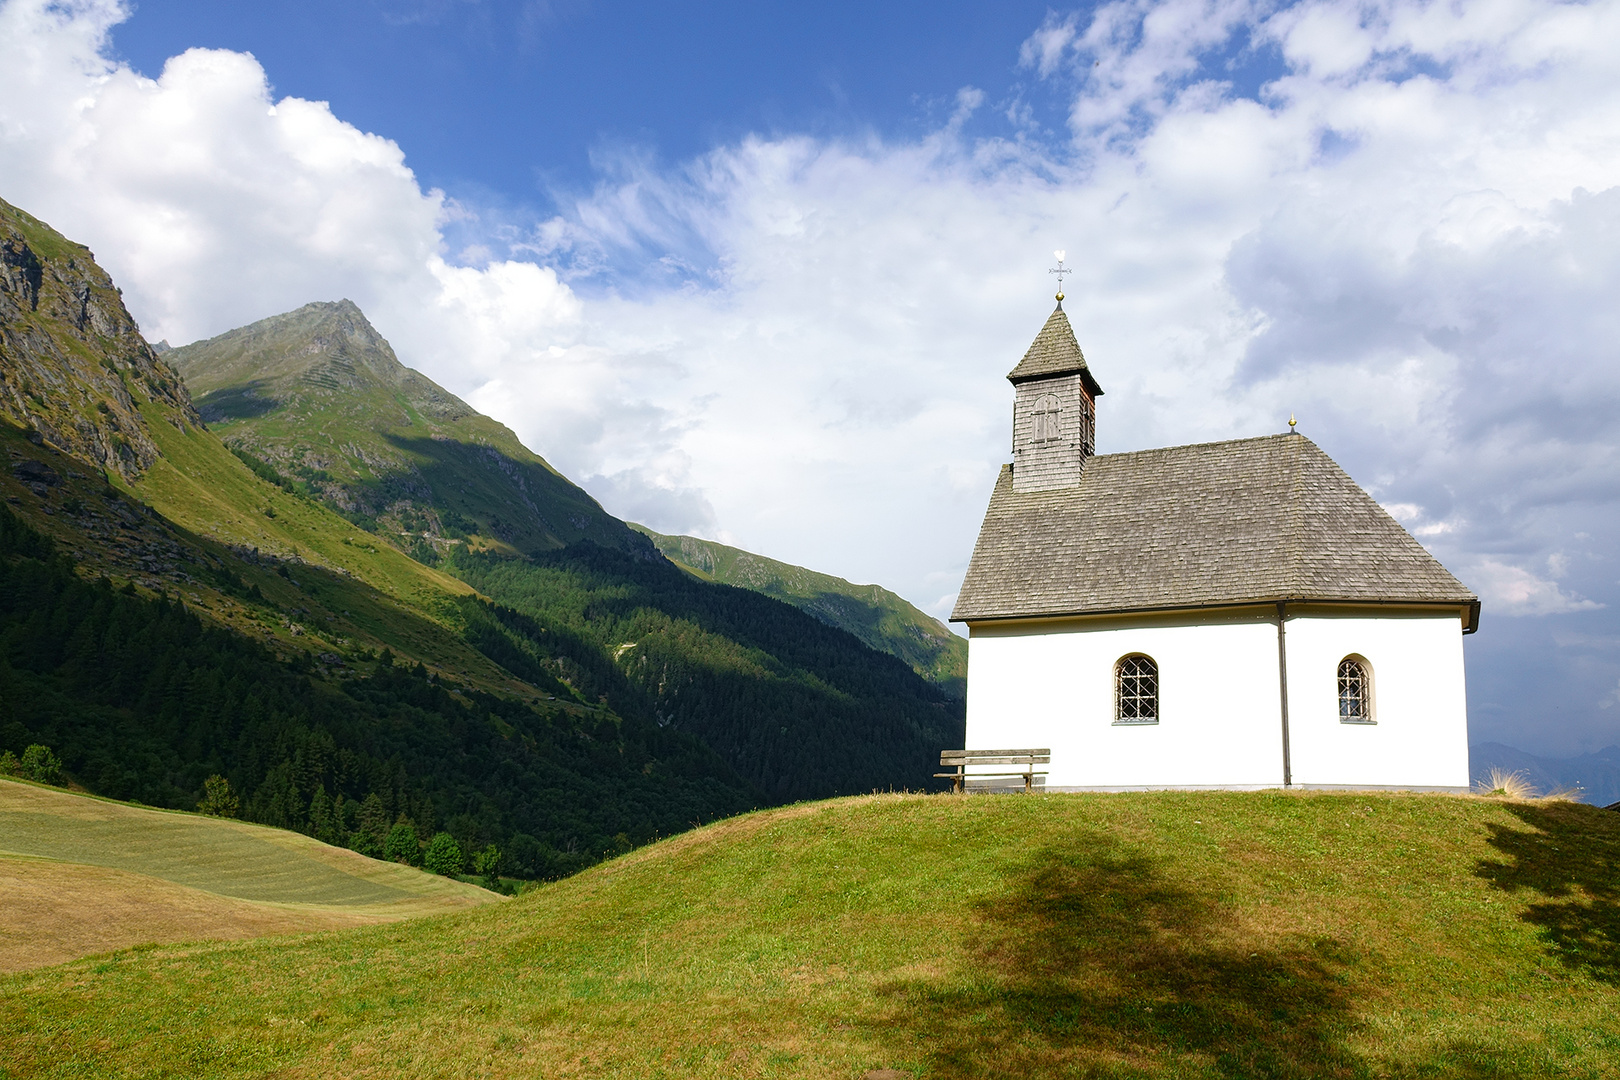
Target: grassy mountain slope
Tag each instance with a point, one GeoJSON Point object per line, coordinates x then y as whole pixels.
{"type": "Point", "coordinates": [84, 875]}
{"type": "Point", "coordinates": [319, 395]}
{"type": "Point", "coordinates": [797, 709]}
{"type": "Point", "coordinates": [872, 613]}
{"type": "Point", "coordinates": [142, 699]}
{"type": "Point", "coordinates": [800, 709]}
{"type": "Point", "coordinates": [167, 613]}
{"type": "Point", "coordinates": [1170, 934]}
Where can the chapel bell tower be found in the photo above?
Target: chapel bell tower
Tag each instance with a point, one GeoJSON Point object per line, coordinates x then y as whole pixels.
{"type": "Point", "coordinates": [1055, 408]}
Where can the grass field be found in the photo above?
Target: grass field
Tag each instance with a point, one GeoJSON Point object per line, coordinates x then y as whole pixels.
{"type": "Point", "coordinates": [81, 875]}
{"type": "Point", "coordinates": [1167, 934]}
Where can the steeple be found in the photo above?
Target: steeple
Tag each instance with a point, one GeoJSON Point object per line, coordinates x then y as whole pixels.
{"type": "Point", "coordinates": [1054, 409]}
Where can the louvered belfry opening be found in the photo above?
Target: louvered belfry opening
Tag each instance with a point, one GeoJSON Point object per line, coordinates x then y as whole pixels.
{"type": "Point", "coordinates": [1054, 410]}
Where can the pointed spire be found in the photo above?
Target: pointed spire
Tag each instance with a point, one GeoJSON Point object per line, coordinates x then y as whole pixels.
{"type": "Point", "coordinates": [1054, 352]}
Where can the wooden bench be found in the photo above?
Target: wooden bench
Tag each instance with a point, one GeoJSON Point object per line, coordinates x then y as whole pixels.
{"type": "Point", "coordinates": [961, 759]}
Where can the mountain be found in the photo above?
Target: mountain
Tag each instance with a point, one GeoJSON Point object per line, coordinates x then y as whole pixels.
{"type": "Point", "coordinates": [167, 613]}
{"type": "Point", "coordinates": [800, 709]}
{"type": "Point", "coordinates": [1595, 776]}
{"type": "Point", "coordinates": [319, 396]}
{"type": "Point", "coordinates": [316, 401]}
{"type": "Point", "coordinates": [872, 613]}
{"type": "Point", "coordinates": [76, 373]}
{"type": "Point", "coordinates": [172, 608]}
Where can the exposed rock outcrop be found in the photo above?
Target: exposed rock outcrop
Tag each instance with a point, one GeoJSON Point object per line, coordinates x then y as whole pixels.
{"type": "Point", "coordinates": [73, 366]}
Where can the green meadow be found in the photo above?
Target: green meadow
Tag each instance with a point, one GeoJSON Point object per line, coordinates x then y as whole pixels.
{"type": "Point", "coordinates": [83, 875]}
{"type": "Point", "coordinates": [1173, 934]}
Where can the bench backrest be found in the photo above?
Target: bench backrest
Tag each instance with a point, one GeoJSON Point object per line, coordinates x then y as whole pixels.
{"type": "Point", "coordinates": [954, 758]}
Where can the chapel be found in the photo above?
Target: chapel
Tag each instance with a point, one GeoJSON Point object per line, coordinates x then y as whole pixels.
{"type": "Point", "coordinates": [1236, 614]}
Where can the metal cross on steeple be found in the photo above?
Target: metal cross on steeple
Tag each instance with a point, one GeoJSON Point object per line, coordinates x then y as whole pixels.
{"type": "Point", "coordinates": [1060, 271]}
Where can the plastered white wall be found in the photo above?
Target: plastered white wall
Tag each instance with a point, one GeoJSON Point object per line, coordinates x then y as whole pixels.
{"type": "Point", "coordinates": [1419, 736]}
{"type": "Point", "coordinates": [1220, 722]}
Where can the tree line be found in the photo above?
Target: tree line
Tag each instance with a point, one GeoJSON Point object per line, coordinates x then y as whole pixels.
{"type": "Point", "coordinates": [142, 700]}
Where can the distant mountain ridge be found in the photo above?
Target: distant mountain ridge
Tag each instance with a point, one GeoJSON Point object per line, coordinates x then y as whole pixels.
{"type": "Point", "coordinates": [878, 617]}
{"type": "Point", "coordinates": [319, 395]}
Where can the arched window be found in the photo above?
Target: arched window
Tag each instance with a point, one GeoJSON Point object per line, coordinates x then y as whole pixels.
{"type": "Point", "coordinates": [1355, 691]}
{"type": "Point", "coordinates": [1136, 690]}
{"type": "Point", "coordinates": [1046, 412]}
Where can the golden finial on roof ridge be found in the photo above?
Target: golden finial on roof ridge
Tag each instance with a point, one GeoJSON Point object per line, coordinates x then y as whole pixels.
{"type": "Point", "coordinates": [1292, 423]}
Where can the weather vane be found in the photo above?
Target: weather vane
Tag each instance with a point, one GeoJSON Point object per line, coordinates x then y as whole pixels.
{"type": "Point", "coordinates": [1060, 271]}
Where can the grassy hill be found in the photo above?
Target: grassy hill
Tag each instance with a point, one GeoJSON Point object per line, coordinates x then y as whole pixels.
{"type": "Point", "coordinates": [1200, 934]}
{"type": "Point", "coordinates": [319, 396]}
{"type": "Point", "coordinates": [83, 875]}
{"type": "Point", "coordinates": [872, 613]}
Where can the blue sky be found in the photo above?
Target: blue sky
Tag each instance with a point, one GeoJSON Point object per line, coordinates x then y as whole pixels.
{"type": "Point", "coordinates": [510, 100]}
{"type": "Point", "coordinates": [756, 272]}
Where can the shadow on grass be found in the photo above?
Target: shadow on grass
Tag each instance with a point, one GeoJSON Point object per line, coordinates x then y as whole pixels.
{"type": "Point", "coordinates": [1097, 961]}
{"type": "Point", "coordinates": [1570, 856]}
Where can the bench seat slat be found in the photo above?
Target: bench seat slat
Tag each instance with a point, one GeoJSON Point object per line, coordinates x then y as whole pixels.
{"type": "Point", "coordinates": [983, 775]}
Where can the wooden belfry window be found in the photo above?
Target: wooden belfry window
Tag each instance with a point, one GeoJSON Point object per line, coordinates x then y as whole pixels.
{"type": "Point", "coordinates": [1355, 691]}
{"type": "Point", "coordinates": [1046, 413]}
{"type": "Point", "coordinates": [1136, 690]}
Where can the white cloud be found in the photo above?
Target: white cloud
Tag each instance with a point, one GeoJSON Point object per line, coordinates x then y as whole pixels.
{"type": "Point", "coordinates": [1513, 590]}
{"type": "Point", "coordinates": [1410, 238]}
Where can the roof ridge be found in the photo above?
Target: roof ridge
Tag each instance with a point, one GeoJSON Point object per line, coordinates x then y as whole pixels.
{"type": "Point", "coordinates": [1199, 446]}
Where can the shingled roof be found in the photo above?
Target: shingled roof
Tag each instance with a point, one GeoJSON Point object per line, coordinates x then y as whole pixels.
{"type": "Point", "coordinates": [1246, 521]}
{"type": "Point", "coordinates": [1055, 352]}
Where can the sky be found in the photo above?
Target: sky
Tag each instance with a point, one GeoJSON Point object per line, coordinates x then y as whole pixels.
{"type": "Point", "coordinates": [757, 271]}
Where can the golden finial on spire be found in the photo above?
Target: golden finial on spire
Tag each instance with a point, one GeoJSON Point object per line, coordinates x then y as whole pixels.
{"type": "Point", "coordinates": [1292, 423]}
{"type": "Point", "coordinates": [1060, 271]}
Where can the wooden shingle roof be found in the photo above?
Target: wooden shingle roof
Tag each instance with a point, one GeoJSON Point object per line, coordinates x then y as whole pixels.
{"type": "Point", "coordinates": [1055, 352]}
{"type": "Point", "coordinates": [1246, 521]}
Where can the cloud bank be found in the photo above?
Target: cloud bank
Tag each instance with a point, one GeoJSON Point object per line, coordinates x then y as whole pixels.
{"type": "Point", "coordinates": [1398, 221]}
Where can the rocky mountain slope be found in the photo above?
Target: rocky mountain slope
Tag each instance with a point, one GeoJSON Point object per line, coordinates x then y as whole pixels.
{"type": "Point", "coordinates": [319, 396]}
{"type": "Point", "coordinates": [878, 617]}
{"type": "Point", "coordinates": [74, 369]}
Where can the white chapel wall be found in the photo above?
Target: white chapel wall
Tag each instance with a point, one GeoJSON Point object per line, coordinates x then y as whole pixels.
{"type": "Point", "coordinates": [1419, 733]}
{"type": "Point", "coordinates": [1051, 684]}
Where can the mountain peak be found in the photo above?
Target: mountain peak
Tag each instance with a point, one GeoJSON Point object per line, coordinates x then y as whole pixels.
{"type": "Point", "coordinates": [318, 394]}
{"type": "Point", "coordinates": [321, 348]}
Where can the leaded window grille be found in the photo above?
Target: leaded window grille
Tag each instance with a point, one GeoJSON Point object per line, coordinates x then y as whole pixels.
{"type": "Point", "coordinates": [1047, 412]}
{"type": "Point", "coordinates": [1136, 690]}
{"type": "Point", "coordinates": [1355, 691]}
